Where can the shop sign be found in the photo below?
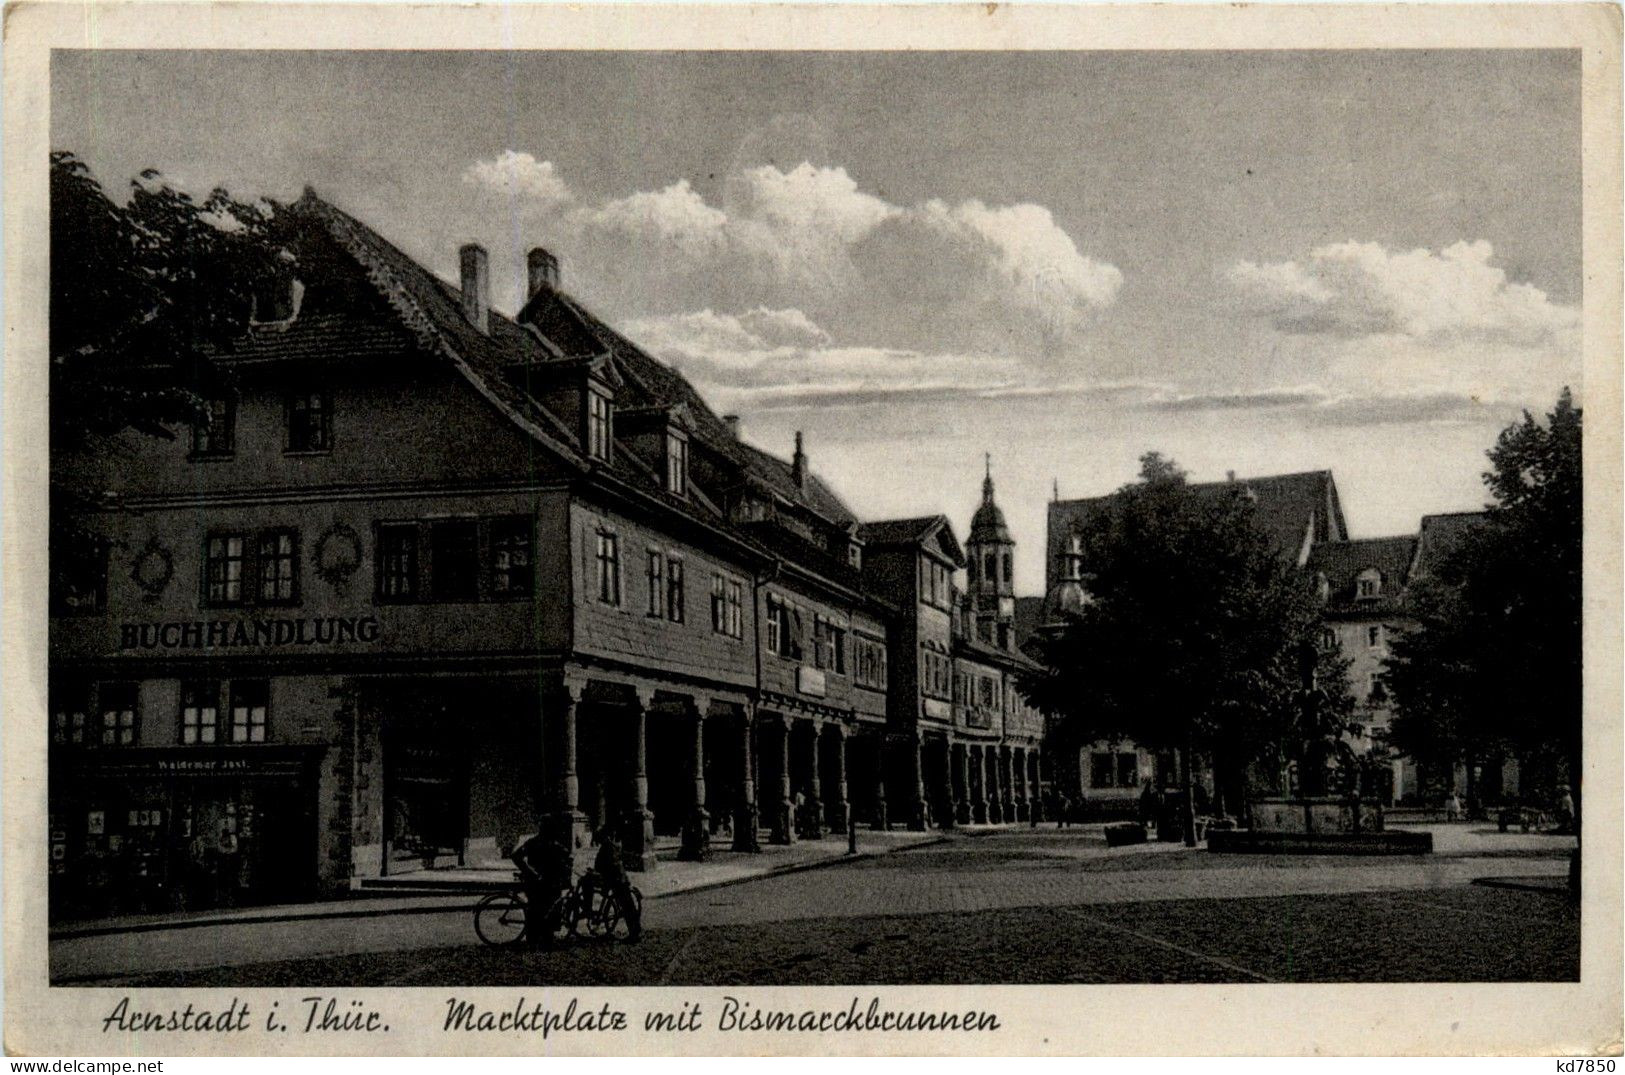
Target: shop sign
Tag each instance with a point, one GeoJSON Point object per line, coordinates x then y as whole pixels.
{"type": "Point", "coordinates": [810, 681]}
{"type": "Point", "coordinates": [269, 634]}
{"type": "Point", "coordinates": [207, 765]}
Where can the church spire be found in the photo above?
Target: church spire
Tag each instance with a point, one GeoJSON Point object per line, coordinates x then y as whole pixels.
{"type": "Point", "coordinates": [987, 482]}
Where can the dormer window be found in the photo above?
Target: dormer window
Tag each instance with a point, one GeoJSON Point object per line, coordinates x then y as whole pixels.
{"type": "Point", "coordinates": [676, 463]}
{"type": "Point", "coordinates": [599, 424]}
{"type": "Point", "coordinates": [854, 556]}
{"type": "Point", "coordinates": [1369, 584]}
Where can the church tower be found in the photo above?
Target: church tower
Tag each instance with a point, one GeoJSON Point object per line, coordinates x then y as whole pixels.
{"type": "Point", "coordinates": [990, 570]}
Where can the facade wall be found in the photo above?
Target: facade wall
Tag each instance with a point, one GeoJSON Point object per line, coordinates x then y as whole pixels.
{"type": "Point", "coordinates": [628, 632]}
{"type": "Point", "coordinates": [813, 678]}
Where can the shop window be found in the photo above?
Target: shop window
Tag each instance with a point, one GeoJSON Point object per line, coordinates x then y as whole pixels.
{"type": "Point", "coordinates": [454, 559]}
{"type": "Point", "coordinates": [676, 464]}
{"type": "Point", "coordinates": [250, 699]}
{"type": "Point", "coordinates": [119, 708]}
{"type": "Point", "coordinates": [675, 600]}
{"type": "Point", "coordinates": [511, 561]}
{"type": "Point", "coordinates": [70, 715]}
{"type": "Point", "coordinates": [1102, 770]}
{"type": "Point", "coordinates": [310, 422]}
{"type": "Point", "coordinates": [1128, 770]}
{"type": "Point", "coordinates": [79, 576]}
{"type": "Point", "coordinates": [656, 575]}
{"type": "Point", "coordinates": [609, 568]}
{"type": "Point", "coordinates": [398, 561]}
{"type": "Point", "coordinates": [223, 569]}
{"type": "Point", "coordinates": [214, 432]}
{"type": "Point", "coordinates": [599, 425]}
{"type": "Point", "coordinates": [278, 567]}
{"type": "Point", "coordinates": [200, 712]}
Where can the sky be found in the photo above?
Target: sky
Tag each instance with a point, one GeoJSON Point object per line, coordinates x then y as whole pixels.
{"type": "Point", "coordinates": [1259, 262]}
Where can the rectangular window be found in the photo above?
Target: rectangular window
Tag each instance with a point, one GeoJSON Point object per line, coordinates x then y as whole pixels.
{"type": "Point", "coordinates": [676, 464]}
{"type": "Point", "coordinates": [675, 601]}
{"type": "Point", "coordinates": [278, 567]}
{"type": "Point", "coordinates": [1375, 691]}
{"type": "Point", "coordinates": [598, 425]}
{"type": "Point", "coordinates": [200, 712]}
{"type": "Point", "coordinates": [398, 561]}
{"type": "Point", "coordinates": [511, 541]}
{"type": "Point", "coordinates": [250, 699]}
{"type": "Point", "coordinates": [119, 705]}
{"type": "Point", "coordinates": [837, 649]}
{"type": "Point", "coordinates": [310, 422]}
{"type": "Point", "coordinates": [1373, 636]}
{"type": "Point", "coordinates": [719, 604]}
{"type": "Point", "coordinates": [70, 715]}
{"type": "Point", "coordinates": [985, 689]}
{"type": "Point", "coordinates": [656, 574]}
{"type": "Point", "coordinates": [1128, 770]}
{"type": "Point", "coordinates": [1101, 770]}
{"type": "Point", "coordinates": [214, 432]}
{"type": "Point", "coordinates": [736, 609]}
{"type": "Point", "coordinates": [609, 568]}
{"type": "Point", "coordinates": [454, 559]}
{"type": "Point", "coordinates": [79, 574]}
{"type": "Point", "coordinates": [223, 569]}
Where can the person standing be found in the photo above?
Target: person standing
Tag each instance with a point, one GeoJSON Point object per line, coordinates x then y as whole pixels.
{"type": "Point", "coordinates": [546, 867]}
{"type": "Point", "coordinates": [611, 873]}
{"type": "Point", "coordinates": [1452, 807]}
{"type": "Point", "coordinates": [226, 864]}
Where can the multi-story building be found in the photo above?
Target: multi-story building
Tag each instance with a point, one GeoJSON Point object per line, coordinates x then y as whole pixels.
{"type": "Point", "coordinates": [430, 578]}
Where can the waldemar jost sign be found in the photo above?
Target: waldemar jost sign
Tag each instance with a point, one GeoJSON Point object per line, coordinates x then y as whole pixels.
{"type": "Point", "coordinates": [268, 633]}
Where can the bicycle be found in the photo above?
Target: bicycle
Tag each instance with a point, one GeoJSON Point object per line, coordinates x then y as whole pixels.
{"type": "Point", "coordinates": [604, 915]}
{"type": "Point", "coordinates": [501, 919]}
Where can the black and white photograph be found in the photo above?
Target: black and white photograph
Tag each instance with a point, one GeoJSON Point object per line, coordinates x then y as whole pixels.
{"type": "Point", "coordinates": [527, 521]}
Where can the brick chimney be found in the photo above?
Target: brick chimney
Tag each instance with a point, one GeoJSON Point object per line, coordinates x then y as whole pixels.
{"type": "Point", "coordinates": [476, 266]}
{"type": "Point", "coordinates": [798, 465]}
{"type": "Point", "coordinates": [732, 422]}
{"type": "Point", "coordinates": [543, 272]}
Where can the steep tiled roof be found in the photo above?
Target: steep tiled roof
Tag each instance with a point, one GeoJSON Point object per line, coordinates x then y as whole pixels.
{"type": "Point", "coordinates": [899, 531]}
{"type": "Point", "coordinates": [779, 477]}
{"type": "Point", "coordinates": [1342, 562]}
{"type": "Point", "coordinates": [1440, 535]}
{"type": "Point", "coordinates": [1286, 506]}
{"type": "Point", "coordinates": [553, 328]}
{"type": "Point", "coordinates": [318, 337]}
{"type": "Point", "coordinates": [431, 311]}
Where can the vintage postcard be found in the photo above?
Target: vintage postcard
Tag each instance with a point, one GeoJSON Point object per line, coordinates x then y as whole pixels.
{"type": "Point", "coordinates": [785, 529]}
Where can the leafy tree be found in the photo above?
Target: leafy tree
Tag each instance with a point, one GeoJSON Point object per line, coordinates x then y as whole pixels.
{"type": "Point", "coordinates": [1194, 637]}
{"type": "Point", "coordinates": [143, 295]}
{"type": "Point", "coordinates": [1494, 663]}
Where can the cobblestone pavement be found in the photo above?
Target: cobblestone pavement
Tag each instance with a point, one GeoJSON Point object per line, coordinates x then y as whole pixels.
{"type": "Point", "coordinates": [995, 885]}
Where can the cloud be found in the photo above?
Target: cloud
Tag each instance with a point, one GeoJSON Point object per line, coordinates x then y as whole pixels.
{"type": "Point", "coordinates": [931, 275]}
{"type": "Point", "coordinates": [519, 176]}
{"type": "Point", "coordinates": [1032, 261]}
{"type": "Point", "coordinates": [1318, 407]}
{"type": "Point", "coordinates": [1357, 289]}
{"type": "Point", "coordinates": [675, 216]}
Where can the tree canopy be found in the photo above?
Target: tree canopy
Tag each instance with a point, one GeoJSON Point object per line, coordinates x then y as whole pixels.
{"type": "Point", "coordinates": [142, 295]}
{"type": "Point", "coordinates": [1494, 663]}
{"type": "Point", "coordinates": [1195, 632]}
